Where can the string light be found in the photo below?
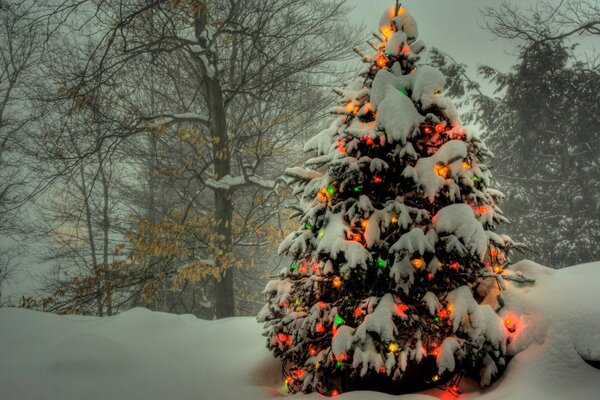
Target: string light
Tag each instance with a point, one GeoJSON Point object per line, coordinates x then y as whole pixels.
{"type": "Point", "coordinates": [498, 269]}
{"type": "Point", "coordinates": [330, 189]}
{"type": "Point", "coordinates": [308, 226]}
{"type": "Point", "coordinates": [405, 48]}
{"type": "Point", "coordinates": [357, 189]}
{"type": "Point", "coordinates": [482, 209]}
{"type": "Point", "coordinates": [377, 179]}
{"type": "Point", "coordinates": [364, 223]}
{"type": "Point", "coordinates": [435, 378]}
{"type": "Point", "coordinates": [401, 308]}
{"type": "Point", "coordinates": [393, 347]}
{"type": "Point", "coordinates": [427, 130]}
{"type": "Point", "coordinates": [494, 252]}
{"type": "Point", "coordinates": [320, 328]}
{"type": "Point", "coordinates": [455, 266]}
{"type": "Point", "coordinates": [381, 61]}
{"type": "Point", "coordinates": [338, 320]}
{"type": "Point", "coordinates": [394, 219]}
{"type": "Point", "coordinates": [358, 312]}
{"type": "Point", "coordinates": [381, 262]}
{"type": "Point", "coordinates": [465, 165]}
{"type": "Point", "coordinates": [439, 128]}
{"type": "Point", "coordinates": [441, 170]}
{"type": "Point", "coordinates": [295, 267]}
{"type": "Point", "coordinates": [334, 393]}
{"type": "Point", "coordinates": [417, 262]}
{"type": "Point", "coordinates": [369, 141]}
{"type": "Point", "coordinates": [337, 282]}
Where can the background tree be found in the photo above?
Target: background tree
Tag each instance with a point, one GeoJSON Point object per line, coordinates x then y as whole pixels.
{"type": "Point", "coordinates": [545, 113]}
{"type": "Point", "coordinates": [233, 86]}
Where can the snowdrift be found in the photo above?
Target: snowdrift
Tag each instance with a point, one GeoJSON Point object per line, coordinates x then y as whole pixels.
{"type": "Point", "coordinates": [148, 355]}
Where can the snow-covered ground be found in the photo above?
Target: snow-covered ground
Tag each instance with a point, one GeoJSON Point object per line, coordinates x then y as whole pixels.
{"type": "Point", "coordinates": [149, 355]}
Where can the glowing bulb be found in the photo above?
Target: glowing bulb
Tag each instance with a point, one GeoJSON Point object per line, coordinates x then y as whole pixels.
{"type": "Point", "coordinates": [358, 312]}
{"type": "Point", "coordinates": [405, 48]}
{"type": "Point", "coordinates": [357, 188]}
{"type": "Point", "coordinates": [498, 269]}
{"type": "Point", "coordinates": [330, 189]}
{"type": "Point", "coordinates": [382, 370]}
{"type": "Point", "coordinates": [482, 209]}
{"type": "Point", "coordinates": [417, 262]}
{"type": "Point", "coordinates": [334, 393]}
{"type": "Point", "coordinates": [401, 308]}
{"type": "Point", "coordinates": [465, 165]}
{"type": "Point", "coordinates": [435, 378]}
{"type": "Point", "coordinates": [394, 219]}
{"type": "Point", "coordinates": [321, 234]}
{"type": "Point", "coordinates": [308, 226]}
{"type": "Point", "coordinates": [320, 328]}
{"type": "Point", "coordinates": [493, 252]}
{"type": "Point", "coordinates": [439, 128]}
{"type": "Point", "coordinates": [377, 179]}
{"type": "Point", "coordinates": [441, 170]}
{"type": "Point", "coordinates": [450, 307]}
{"type": "Point", "coordinates": [381, 262]}
{"type": "Point", "coordinates": [455, 266]}
{"type": "Point", "coordinates": [337, 282]}
{"type": "Point", "coordinates": [364, 223]}
{"type": "Point", "coordinates": [338, 320]}
{"type": "Point", "coordinates": [427, 130]}
{"type": "Point", "coordinates": [381, 61]}
{"type": "Point", "coordinates": [393, 347]}
{"type": "Point", "coordinates": [386, 31]}
{"type": "Point", "coordinates": [295, 266]}
{"type": "Point", "coordinates": [312, 350]}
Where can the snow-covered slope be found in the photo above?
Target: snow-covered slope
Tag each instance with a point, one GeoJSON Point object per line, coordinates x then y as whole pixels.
{"type": "Point", "coordinates": [148, 355]}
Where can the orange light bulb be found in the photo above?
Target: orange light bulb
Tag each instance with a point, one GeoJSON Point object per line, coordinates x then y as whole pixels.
{"type": "Point", "coordinates": [417, 262]}
{"type": "Point", "coordinates": [441, 170]}
{"type": "Point", "coordinates": [381, 61]}
{"type": "Point", "coordinates": [337, 282]}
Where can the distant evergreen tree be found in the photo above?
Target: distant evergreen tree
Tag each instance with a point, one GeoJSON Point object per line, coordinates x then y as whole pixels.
{"type": "Point", "coordinates": [546, 125]}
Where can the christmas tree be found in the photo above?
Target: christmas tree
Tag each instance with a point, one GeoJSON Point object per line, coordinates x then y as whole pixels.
{"type": "Point", "coordinates": [396, 262]}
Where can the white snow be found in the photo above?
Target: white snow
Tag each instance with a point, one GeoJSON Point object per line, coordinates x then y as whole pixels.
{"type": "Point", "coordinates": [458, 221]}
{"type": "Point", "coordinates": [148, 355]}
{"type": "Point", "coordinates": [398, 116]}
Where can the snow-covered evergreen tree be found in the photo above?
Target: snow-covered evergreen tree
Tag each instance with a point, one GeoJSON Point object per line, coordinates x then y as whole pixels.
{"type": "Point", "coordinates": [397, 255]}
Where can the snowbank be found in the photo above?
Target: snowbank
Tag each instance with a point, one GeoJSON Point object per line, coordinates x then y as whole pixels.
{"type": "Point", "coordinates": [149, 355]}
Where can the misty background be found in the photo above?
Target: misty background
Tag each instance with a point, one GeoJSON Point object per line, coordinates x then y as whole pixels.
{"type": "Point", "coordinates": [143, 144]}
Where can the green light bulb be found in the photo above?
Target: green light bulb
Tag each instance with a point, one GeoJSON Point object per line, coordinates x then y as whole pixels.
{"type": "Point", "coordinates": [295, 266]}
{"type": "Point", "coordinates": [331, 189]}
{"type": "Point", "coordinates": [338, 320]}
{"type": "Point", "coordinates": [381, 263]}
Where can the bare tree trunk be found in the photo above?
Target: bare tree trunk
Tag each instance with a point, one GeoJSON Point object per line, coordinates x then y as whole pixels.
{"type": "Point", "coordinates": [224, 299]}
{"type": "Point", "coordinates": [107, 292]}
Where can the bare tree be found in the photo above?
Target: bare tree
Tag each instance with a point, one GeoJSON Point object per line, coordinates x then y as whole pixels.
{"type": "Point", "coordinates": [214, 97]}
